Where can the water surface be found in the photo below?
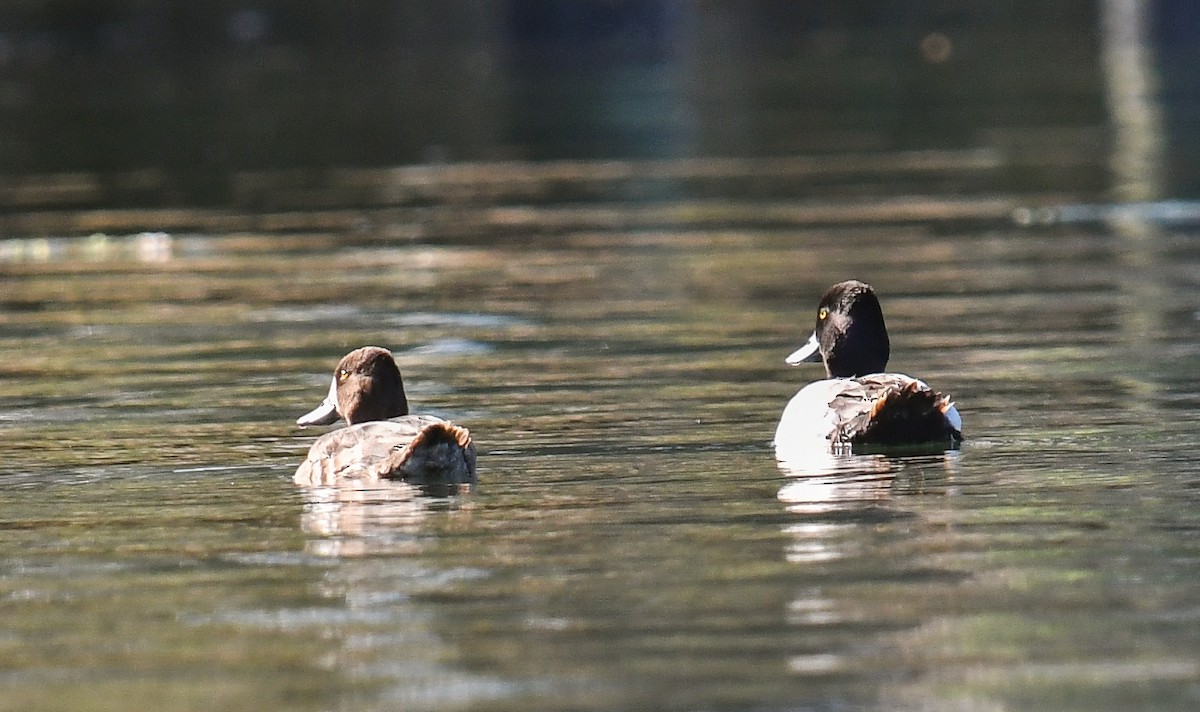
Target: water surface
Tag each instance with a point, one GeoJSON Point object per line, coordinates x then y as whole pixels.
{"type": "Point", "coordinates": [633, 543]}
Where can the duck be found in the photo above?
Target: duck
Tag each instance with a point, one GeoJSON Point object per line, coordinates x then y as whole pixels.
{"type": "Point", "coordinates": [381, 439]}
{"type": "Point", "coordinates": [859, 407]}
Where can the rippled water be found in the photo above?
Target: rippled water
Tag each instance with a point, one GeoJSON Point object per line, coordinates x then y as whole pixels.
{"type": "Point", "coordinates": [632, 543]}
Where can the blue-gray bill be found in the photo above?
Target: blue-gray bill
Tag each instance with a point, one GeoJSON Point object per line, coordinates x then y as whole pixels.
{"type": "Point", "coordinates": [810, 352]}
{"type": "Point", "coordinates": [324, 414]}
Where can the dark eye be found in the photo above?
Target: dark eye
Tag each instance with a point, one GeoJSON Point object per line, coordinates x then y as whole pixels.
{"type": "Point", "coordinates": [823, 314]}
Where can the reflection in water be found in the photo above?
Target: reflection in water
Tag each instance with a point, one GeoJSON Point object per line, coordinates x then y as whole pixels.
{"type": "Point", "coordinates": [1138, 161]}
{"type": "Point", "coordinates": [835, 501]}
{"type": "Point", "coordinates": [147, 247]}
{"type": "Point", "coordinates": [826, 482]}
{"type": "Point", "coordinates": [354, 518]}
{"type": "Point", "coordinates": [1136, 117]}
{"type": "Point", "coordinates": [387, 637]}
{"type": "Point", "coordinates": [813, 542]}
{"type": "Point", "coordinates": [812, 495]}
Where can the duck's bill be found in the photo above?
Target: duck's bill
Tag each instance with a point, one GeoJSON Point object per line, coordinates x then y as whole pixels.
{"type": "Point", "coordinates": [810, 352]}
{"type": "Point", "coordinates": [324, 414]}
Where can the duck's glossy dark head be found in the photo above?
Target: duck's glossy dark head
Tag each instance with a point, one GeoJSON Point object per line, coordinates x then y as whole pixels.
{"type": "Point", "coordinates": [366, 386]}
{"type": "Point", "coordinates": [850, 337]}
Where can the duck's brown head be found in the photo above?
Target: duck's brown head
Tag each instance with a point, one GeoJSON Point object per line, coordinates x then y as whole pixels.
{"type": "Point", "coordinates": [366, 386]}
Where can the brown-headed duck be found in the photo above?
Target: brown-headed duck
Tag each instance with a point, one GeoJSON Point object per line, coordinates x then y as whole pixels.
{"type": "Point", "coordinates": [381, 440]}
{"type": "Point", "coordinates": [859, 407]}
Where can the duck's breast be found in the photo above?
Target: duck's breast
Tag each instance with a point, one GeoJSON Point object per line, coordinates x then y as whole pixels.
{"type": "Point", "coordinates": [808, 419]}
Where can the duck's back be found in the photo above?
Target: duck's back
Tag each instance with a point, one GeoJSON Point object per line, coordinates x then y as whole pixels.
{"type": "Point", "coordinates": [421, 449]}
{"type": "Point", "coordinates": [883, 409]}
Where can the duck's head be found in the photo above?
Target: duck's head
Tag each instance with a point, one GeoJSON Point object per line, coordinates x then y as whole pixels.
{"type": "Point", "coordinates": [850, 337]}
{"type": "Point", "coordinates": [366, 386]}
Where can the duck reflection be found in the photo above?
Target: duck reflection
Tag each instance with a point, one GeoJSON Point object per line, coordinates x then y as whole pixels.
{"type": "Point", "coordinates": [378, 537]}
{"type": "Point", "coordinates": [835, 494]}
{"type": "Point", "coordinates": [849, 510]}
{"type": "Point", "coordinates": [355, 518]}
{"type": "Point", "coordinates": [827, 482]}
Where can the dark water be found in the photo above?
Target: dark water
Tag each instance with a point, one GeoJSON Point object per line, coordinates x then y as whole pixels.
{"type": "Point", "coordinates": [632, 543]}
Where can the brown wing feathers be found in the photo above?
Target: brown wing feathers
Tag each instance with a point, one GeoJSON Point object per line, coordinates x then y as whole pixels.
{"type": "Point", "coordinates": [440, 451]}
{"type": "Point", "coordinates": [898, 415]}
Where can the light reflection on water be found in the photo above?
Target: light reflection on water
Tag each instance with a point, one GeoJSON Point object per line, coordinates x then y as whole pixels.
{"type": "Point", "coordinates": [633, 543]}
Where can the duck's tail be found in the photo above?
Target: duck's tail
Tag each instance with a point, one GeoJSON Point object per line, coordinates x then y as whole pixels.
{"type": "Point", "coordinates": [442, 454]}
{"type": "Point", "coordinates": [909, 415]}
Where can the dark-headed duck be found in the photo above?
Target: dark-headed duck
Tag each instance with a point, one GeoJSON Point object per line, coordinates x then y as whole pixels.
{"type": "Point", "coordinates": [381, 440]}
{"type": "Point", "coordinates": [859, 407]}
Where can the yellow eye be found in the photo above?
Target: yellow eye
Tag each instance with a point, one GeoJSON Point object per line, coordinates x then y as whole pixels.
{"type": "Point", "coordinates": [822, 314]}
{"type": "Point", "coordinates": [343, 374]}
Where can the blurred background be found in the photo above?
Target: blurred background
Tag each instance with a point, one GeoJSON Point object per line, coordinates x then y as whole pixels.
{"type": "Point", "coordinates": [134, 103]}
